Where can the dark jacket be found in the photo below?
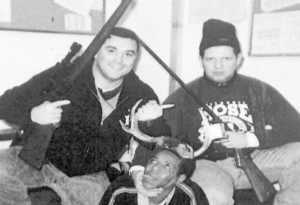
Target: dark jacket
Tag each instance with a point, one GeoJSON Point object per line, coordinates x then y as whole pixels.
{"type": "Point", "coordinates": [123, 192]}
{"type": "Point", "coordinates": [80, 145]}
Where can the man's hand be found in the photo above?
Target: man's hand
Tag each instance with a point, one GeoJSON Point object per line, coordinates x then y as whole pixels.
{"type": "Point", "coordinates": [205, 138]}
{"type": "Point", "coordinates": [150, 111]}
{"type": "Point", "coordinates": [235, 140]}
{"type": "Point", "coordinates": [47, 112]}
{"type": "Point", "coordinates": [144, 112]}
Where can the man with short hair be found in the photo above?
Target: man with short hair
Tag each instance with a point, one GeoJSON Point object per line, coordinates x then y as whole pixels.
{"type": "Point", "coordinates": [167, 171]}
{"type": "Point", "coordinates": [259, 119]}
{"type": "Point", "coordinates": [89, 136]}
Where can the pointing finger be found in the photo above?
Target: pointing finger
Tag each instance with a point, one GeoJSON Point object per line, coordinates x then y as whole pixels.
{"type": "Point", "coordinates": [61, 103]}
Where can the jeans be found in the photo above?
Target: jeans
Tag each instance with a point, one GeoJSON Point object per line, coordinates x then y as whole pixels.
{"type": "Point", "coordinates": [281, 164]}
{"type": "Point", "coordinates": [16, 176]}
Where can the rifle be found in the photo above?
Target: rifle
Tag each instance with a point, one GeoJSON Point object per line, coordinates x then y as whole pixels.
{"type": "Point", "coordinates": [39, 136]}
{"type": "Point", "coordinates": [262, 187]}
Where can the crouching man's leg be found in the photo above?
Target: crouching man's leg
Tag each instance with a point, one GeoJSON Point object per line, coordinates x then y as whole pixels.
{"type": "Point", "coordinates": [15, 175]}
{"type": "Point", "coordinates": [86, 189]}
{"type": "Point", "coordinates": [215, 181]}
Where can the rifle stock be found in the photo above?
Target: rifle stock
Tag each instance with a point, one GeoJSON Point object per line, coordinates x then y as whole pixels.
{"type": "Point", "coordinates": [34, 150]}
{"type": "Point", "coordinates": [39, 137]}
{"type": "Point", "coordinates": [263, 188]}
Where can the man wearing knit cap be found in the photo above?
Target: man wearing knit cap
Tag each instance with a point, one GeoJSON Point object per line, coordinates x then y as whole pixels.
{"type": "Point", "coordinates": [259, 120]}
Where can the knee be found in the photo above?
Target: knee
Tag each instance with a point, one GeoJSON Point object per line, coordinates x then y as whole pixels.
{"type": "Point", "coordinates": [292, 151]}
{"type": "Point", "coordinates": [289, 186]}
{"type": "Point", "coordinates": [208, 172]}
{"type": "Point", "coordinates": [215, 182]}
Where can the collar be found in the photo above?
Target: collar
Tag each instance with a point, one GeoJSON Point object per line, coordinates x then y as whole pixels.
{"type": "Point", "coordinates": [143, 200]}
{"type": "Point", "coordinates": [130, 82]}
{"type": "Point", "coordinates": [222, 85]}
{"type": "Point", "coordinates": [109, 94]}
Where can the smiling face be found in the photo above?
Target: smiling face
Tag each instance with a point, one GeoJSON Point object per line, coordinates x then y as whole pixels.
{"type": "Point", "coordinates": [161, 171]}
{"type": "Point", "coordinates": [115, 59]}
{"type": "Point", "coordinates": [220, 63]}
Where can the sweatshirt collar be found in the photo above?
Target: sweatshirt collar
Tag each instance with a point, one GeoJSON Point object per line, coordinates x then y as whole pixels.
{"type": "Point", "coordinates": [221, 85]}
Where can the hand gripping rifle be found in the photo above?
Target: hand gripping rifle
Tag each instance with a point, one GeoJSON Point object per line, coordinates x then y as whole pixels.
{"type": "Point", "coordinates": [262, 187]}
{"type": "Point", "coordinates": [39, 137]}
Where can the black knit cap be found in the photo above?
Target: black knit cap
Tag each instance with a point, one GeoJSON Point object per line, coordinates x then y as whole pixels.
{"type": "Point", "coordinates": [218, 33]}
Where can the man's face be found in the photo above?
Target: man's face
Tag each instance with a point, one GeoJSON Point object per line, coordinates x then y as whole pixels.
{"type": "Point", "coordinates": [116, 58]}
{"type": "Point", "coordinates": [220, 63]}
{"type": "Point", "coordinates": [161, 171]}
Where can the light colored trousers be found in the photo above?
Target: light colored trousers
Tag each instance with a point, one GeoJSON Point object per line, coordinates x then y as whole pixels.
{"type": "Point", "coordinates": [280, 164]}
{"type": "Point", "coordinates": [16, 176]}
